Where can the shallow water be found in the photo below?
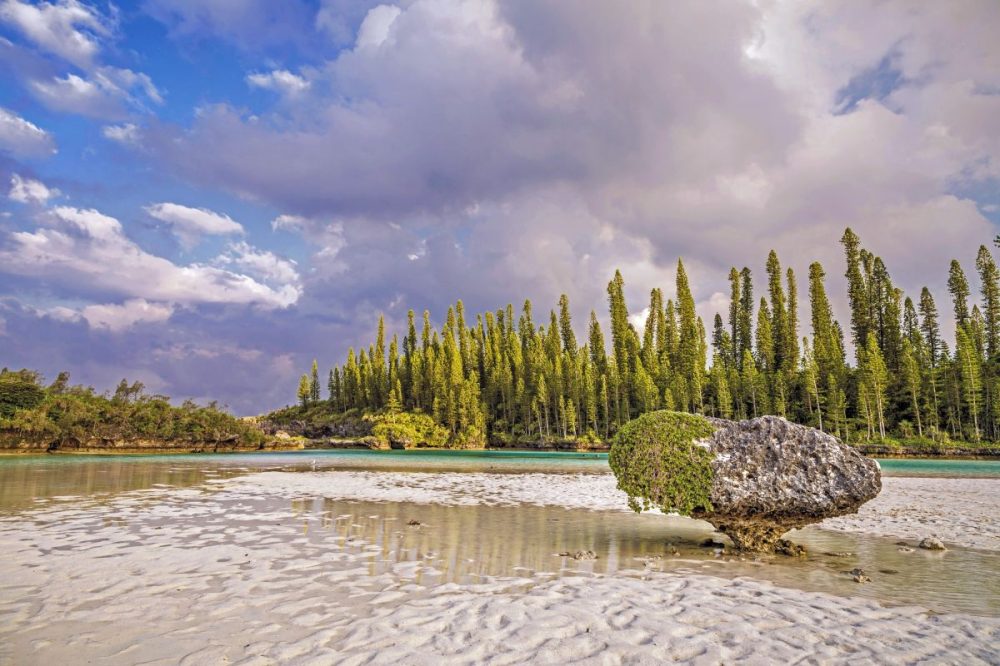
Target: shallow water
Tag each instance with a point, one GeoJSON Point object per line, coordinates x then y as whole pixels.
{"type": "Point", "coordinates": [467, 544]}
{"type": "Point", "coordinates": [34, 476]}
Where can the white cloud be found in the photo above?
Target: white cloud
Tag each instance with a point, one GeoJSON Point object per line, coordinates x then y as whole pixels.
{"type": "Point", "coordinates": [289, 222]}
{"type": "Point", "coordinates": [26, 190]}
{"type": "Point", "coordinates": [22, 138]}
{"type": "Point", "coordinates": [376, 27]}
{"type": "Point", "coordinates": [126, 133]}
{"type": "Point", "coordinates": [190, 224]}
{"type": "Point", "coordinates": [279, 80]}
{"type": "Point", "coordinates": [108, 92]}
{"type": "Point", "coordinates": [69, 29]}
{"type": "Point", "coordinates": [118, 317]}
{"type": "Point", "coordinates": [87, 252]}
{"type": "Point", "coordinates": [260, 263]}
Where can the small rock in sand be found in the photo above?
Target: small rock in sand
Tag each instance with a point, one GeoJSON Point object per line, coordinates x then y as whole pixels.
{"type": "Point", "coordinates": [859, 575]}
{"type": "Point", "coordinates": [932, 543]}
{"type": "Point", "coordinates": [904, 549]}
{"type": "Point", "coordinates": [579, 555]}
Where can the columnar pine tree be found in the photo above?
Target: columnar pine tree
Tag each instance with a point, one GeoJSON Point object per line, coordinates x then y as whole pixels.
{"type": "Point", "coordinates": [989, 280]}
{"type": "Point", "coordinates": [506, 377]}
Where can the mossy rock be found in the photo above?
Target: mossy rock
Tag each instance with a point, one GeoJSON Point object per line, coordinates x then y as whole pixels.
{"type": "Point", "coordinates": [659, 465]}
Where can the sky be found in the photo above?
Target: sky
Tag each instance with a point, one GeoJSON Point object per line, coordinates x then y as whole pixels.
{"type": "Point", "coordinates": [205, 195]}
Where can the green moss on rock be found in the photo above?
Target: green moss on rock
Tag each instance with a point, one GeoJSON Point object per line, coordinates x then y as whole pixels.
{"type": "Point", "coordinates": [658, 464]}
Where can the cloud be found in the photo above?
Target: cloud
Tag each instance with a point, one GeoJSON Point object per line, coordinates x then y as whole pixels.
{"type": "Point", "coordinates": [338, 20]}
{"type": "Point", "coordinates": [112, 317]}
{"type": "Point", "coordinates": [289, 222]}
{"type": "Point", "coordinates": [87, 253]}
{"type": "Point", "coordinates": [249, 24]}
{"type": "Point", "coordinates": [376, 27]}
{"type": "Point", "coordinates": [108, 92]}
{"type": "Point", "coordinates": [23, 138]}
{"type": "Point", "coordinates": [118, 317]}
{"type": "Point", "coordinates": [494, 151]}
{"type": "Point", "coordinates": [279, 80]}
{"type": "Point", "coordinates": [261, 263]}
{"type": "Point", "coordinates": [69, 29]}
{"type": "Point", "coordinates": [126, 133]}
{"type": "Point", "coordinates": [190, 224]}
{"type": "Point", "coordinates": [26, 190]}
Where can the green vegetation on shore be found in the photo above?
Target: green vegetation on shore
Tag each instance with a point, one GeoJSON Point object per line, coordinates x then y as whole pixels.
{"type": "Point", "coordinates": [58, 415]}
{"type": "Point", "coordinates": [505, 378]}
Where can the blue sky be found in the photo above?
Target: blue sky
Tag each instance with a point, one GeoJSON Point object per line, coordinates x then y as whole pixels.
{"type": "Point", "coordinates": [205, 195]}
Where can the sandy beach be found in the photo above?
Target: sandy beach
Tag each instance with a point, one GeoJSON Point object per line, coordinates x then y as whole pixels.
{"type": "Point", "coordinates": [247, 571]}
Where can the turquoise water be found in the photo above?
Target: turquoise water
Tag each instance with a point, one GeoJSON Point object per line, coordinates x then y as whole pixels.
{"type": "Point", "coordinates": [938, 467]}
{"type": "Point", "coordinates": [24, 479]}
{"type": "Point", "coordinates": [450, 460]}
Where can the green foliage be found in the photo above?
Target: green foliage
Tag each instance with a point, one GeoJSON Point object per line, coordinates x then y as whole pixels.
{"type": "Point", "coordinates": [407, 430]}
{"type": "Point", "coordinates": [658, 464]}
{"type": "Point", "coordinates": [527, 382]}
{"type": "Point", "coordinates": [60, 413]}
{"type": "Point", "coordinates": [18, 390]}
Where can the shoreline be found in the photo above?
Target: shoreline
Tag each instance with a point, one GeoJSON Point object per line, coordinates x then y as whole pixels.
{"type": "Point", "coordinates": [357, 445]}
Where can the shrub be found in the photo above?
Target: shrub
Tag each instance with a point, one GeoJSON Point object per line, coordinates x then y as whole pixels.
{"type": "Point", "coordinates": [658, 464]}
{"type": "Point", "coordinates": [407, 430]}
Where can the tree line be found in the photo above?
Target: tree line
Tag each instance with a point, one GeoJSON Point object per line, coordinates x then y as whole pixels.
{"type": "Point", "coordinates": [506, 377]}
{"type": "Point", "coordinates": [33, 412]}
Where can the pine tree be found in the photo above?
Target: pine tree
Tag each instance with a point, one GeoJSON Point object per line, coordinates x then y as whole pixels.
{"type": "Point", "coordinates": [689, 343]}
{"type": "Point", "coordinates": [857, 289]}
{"type": "Point", "coordinates": [620, 342]}
{"type": "Point", "coordinates": [989, 279]}
{"type": "Point", "coordinates": [929, 325]}
{"type": "Point", "coordinates": [912, 381]}
{"type": "Point", "coordinates": [314, 383]}
{"type": "Point", "coordinates": [874, 379]}
{"type": "Point", "coordinates": [958, 287]}
{"type": "Point", "coordinates": [810, 378]}
{"type": "Point", "coordinates": [304, 392]}
{"type": "Point", "coordinates": [779, 313]}
{"type": "Point", "coordinates": [719, 385]}
{"type": "Point", "coordinates": [970, 374]}
{"type": "Point", "coordinates": [735, 285]}
{"type": "Point", "coordinates": [792, 324]}
{"type": "Point", "coordinates": [745, 316]}
{"type": "Point", "coordinates": [566, 326]}
{"type": "Point", "coordinates": [380, 378]}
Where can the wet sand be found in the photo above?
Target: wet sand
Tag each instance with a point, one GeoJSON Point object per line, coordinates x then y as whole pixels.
{"type": "Point", "coordinates": [322, 567]}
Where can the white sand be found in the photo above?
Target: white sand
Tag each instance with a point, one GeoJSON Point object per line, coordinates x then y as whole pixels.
{"type": "Point", "coordinates": [193, 577]}
{"type": "Point", "coordinates": [960, 512]}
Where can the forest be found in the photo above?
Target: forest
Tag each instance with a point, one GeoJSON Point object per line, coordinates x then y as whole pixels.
{"type": "Point", "coordinates": [32, 412]}
{"type": "Point", "coordinates": [506, 378]}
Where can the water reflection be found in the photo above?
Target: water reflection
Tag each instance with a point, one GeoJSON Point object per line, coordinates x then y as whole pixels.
{"type": "Point", "coordinates": [466, 544]}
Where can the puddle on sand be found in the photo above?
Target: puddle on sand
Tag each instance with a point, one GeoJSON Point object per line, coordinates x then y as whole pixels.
{"type": "Point", "coordinates": [466, 544]}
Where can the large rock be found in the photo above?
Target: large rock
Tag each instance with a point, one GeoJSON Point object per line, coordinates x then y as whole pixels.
{"type": "Point", "coordinates": [771, 476]}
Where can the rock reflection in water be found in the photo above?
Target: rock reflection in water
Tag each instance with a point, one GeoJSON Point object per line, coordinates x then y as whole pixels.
{"type": "Point", "coordinates": [468, 544]}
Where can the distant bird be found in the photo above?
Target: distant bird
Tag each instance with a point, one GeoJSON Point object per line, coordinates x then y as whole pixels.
{"type": "Point", "coordinates": [313, 464]}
